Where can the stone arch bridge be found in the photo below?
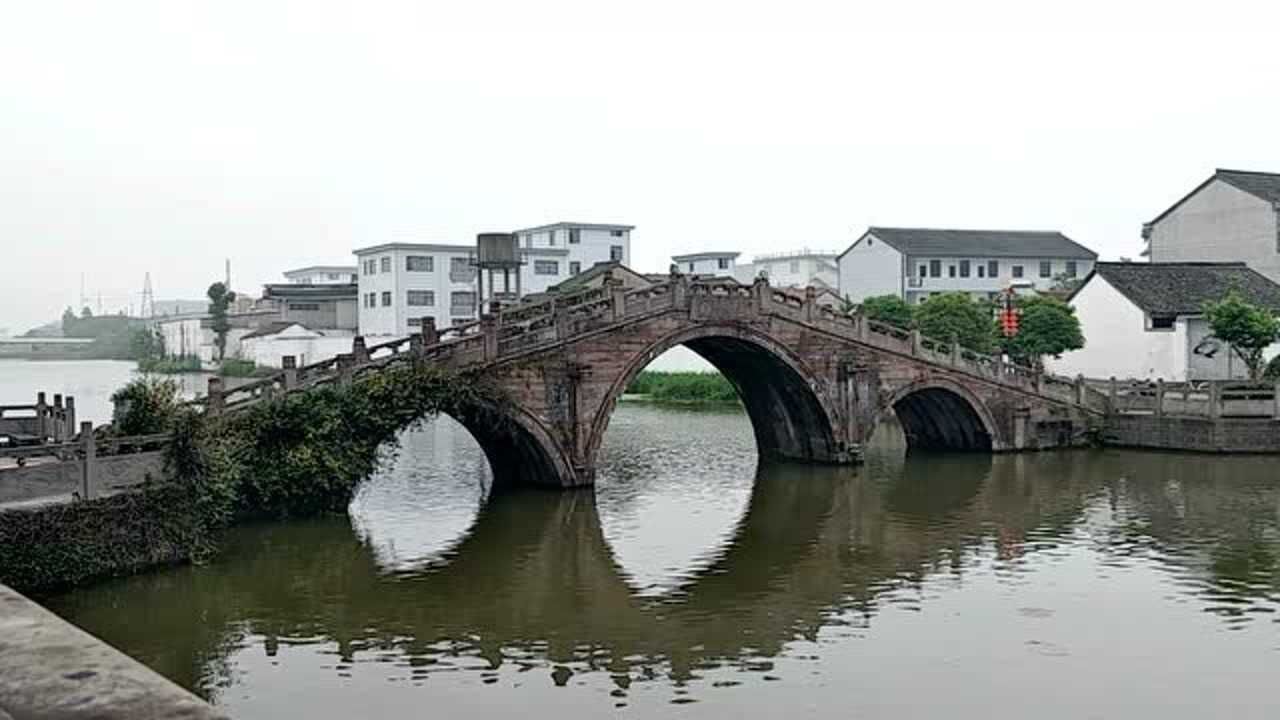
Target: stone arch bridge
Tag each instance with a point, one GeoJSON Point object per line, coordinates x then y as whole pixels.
{"type": "Point", "coordinates": [814, 382]}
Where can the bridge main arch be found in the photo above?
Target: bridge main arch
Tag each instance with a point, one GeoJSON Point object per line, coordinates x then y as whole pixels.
{"type": "Point", "coordinates": [791, 415]}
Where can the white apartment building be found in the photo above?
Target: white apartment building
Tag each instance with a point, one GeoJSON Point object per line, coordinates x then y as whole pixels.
{"type": "Point", "coordinates": [400, 283]}
{"type": "Point", "coordinates": [914, 263]}
{"type": "Point", "coordinates": [554, 253]}
{"type": "Point", "coordinates": [707, 263]}
{"type": "Point", "coordinates": [794, 268]}
{"type": "Point", "coordinates": [322, 274]}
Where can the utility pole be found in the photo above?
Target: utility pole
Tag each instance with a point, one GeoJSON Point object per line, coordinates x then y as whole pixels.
{"type": "Point", "coordinates": [148, 308]}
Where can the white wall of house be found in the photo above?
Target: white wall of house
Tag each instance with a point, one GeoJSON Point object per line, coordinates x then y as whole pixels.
{"type": "Point", "coordinates": [322, 275]}
{"type": "Point", "coordinates": [581, 245]}
{"type": "Point", "coordinates": [722, 264]}
{"type": "Point", "coordinates": [305, 346]}
{"type": "Point", "coordinates": [1220, 223]}
{"type": "Point", "coordinates": [870, 268]}
{"type": "Point", "coordinates": [183, 336]}
{"type": "Point", "coordinates": [798, 269]}
{"type": "Point", "coordinates": [1118, 341]}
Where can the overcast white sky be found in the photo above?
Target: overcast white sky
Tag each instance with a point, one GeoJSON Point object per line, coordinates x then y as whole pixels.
{"type": "Point", "coordinates": [166, 136]}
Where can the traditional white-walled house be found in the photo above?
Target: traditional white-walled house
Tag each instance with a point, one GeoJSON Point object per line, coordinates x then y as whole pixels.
{"type": "Point", "coordinates": [914, 263]}
{"type": "Point", "coordinates": [270, 344]}
{"type": "Point", "coordinates": [1146, 321]}
{"type": "Point", "coordinates": [1234, 216]}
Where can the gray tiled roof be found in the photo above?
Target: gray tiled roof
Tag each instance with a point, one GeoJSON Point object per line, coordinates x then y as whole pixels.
{"type": "Point", "coordinates": [983, 243]}
{"type": "Point", "coordinates": [1259, 184]}
{"type": "Point", "coordinates": [1184, 288]}
{"type": "Point", "coordinates": [1262, 185]}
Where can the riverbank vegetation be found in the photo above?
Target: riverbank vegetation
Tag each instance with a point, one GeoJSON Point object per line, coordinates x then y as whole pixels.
{"type": "Point", "coordinates": [683, 387]}
{"type": "Point", "coordinates": [296, 455]}
{"type": "Point", "coordinates": [240, 368]}
{"type": "Point", "coordinates": [169, 365]}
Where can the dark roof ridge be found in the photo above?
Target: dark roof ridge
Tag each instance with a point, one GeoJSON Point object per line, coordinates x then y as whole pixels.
{"type": "Point", "coordinates": [954, 229]}
{"type": "Point", "coordinates": [1246, 172]}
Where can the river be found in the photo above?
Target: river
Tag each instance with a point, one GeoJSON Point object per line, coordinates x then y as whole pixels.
{"type": "Point", "coordinates": [694, 583]}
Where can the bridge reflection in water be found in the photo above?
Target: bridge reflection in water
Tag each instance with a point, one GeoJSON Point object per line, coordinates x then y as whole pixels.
{"type": "Point", "coordinates": [818, 553]}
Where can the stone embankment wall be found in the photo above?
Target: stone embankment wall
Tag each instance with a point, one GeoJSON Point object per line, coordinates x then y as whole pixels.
{"type": "Point", "coordinates": [1194, 434]}
{"type": "Point", "coordinates": [52, 670]}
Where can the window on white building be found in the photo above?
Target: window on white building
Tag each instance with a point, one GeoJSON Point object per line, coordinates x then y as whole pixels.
{"type": "Point", "coordinates": [575, 267]}
{"type": "Point", "coordinates": [334, 276]}
{"type": "Point", "coordinates": [304, 307]}
{"type": "Point", "coordinates": [993, 268]}
{"type": "Point", "coordinates": [924, 270]}
{"type": "Point", "coordinates": [982, 270]}
{"type": "Point", "coordinates": [722, 263]}
{"type": "Point", "coordinates": [935, 268]}
{"type": "Point", "coordinates": [386, 264]}
{"type": "Point", "coordinates": [1046, 269]}
{"type": "Point", "coordinates": [1162, 322]}
{"type": "Point", "coordinates": [551, 237]}
{"type": "Point", "coordinates": [615, 253]}
{"type": "Point", "coordinates": [951, 271]}
{"type": "Point", "coordinates": [1016, 270]}
{"type": "Point", "coordinates": [460, 270]}
{"type": "Point", "coordinates": [386, 298]}
{"type": "Point", "coordinates": [419, 263]}
{"type": "Point", "coordinates": [546, 267]}
{"type": "Point", "coordinates": [421, 298]}
{"type": "Point", "coordinates": [1071, 268]}
{"type": "Point", "coordinates": [690, 267]}
{"type": "Point", "coordinates": [574, 236]}
{"type": "Point", "coordinates": [615, 233]}
{"type": "Point", "coordinates": [964, 268]}
{"type": "Point", "coordinates": [462, 303]}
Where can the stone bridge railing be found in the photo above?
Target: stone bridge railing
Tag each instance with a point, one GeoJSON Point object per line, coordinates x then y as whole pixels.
{"type": "Point", "coordinates": [534, 327]}
{"type": "Point", "coordinates": [1207, 399]}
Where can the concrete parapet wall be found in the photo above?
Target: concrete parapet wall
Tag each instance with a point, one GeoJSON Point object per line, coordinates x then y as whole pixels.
{"type": "Point", "coordinates": [64, 477]}
{"type": "Point", "coordinates": [52, 670]}
{"type": "Point", "coordinates": [1196, 434]}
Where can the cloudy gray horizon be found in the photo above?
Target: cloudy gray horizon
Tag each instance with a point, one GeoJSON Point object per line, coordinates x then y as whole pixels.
{"type": "Point", "coordinates": [166, 137]}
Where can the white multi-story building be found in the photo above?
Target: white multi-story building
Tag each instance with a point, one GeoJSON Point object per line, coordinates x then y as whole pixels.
{"type": "Point", "coordinates": [1234, 216]}
{"type": "Point", "coordinates": [400, 283]}
{"type": "Point", "coordinates": [554, 253]}
{"type": "Point", "coordinates": [795, 268]}
{"type": "Point", "coordinates": [322, 275]}
{"type": "Point", "coordinates": [707, 263]}
{"type": "Point", "coordinates": [915, 263]}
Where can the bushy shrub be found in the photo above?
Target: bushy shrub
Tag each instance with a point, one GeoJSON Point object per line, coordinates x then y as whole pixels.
{"type": "Point", "coordinates": [237, 368]}
{"type": "Point", "coordinates": [144, 406]}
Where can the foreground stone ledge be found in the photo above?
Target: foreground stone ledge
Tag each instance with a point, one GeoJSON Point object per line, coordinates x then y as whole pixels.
{"type": "Point", "coordinates": [50, 669]}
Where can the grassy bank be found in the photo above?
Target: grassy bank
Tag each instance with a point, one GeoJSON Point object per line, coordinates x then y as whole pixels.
{"type": "Point", "coordinates": [169, 366]}
{"type": "Point", "coordinates": [241, 368]}
{"type": "Point", "coordinates": [692, 388]}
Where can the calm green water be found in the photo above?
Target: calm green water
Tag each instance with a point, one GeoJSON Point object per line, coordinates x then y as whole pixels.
{"type": "Point", "coordinates": [692, 583]}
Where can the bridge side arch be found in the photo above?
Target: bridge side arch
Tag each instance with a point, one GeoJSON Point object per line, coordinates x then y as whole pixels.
{"type": "Point", "coordinates": [791, 415]}
{"type": "Point", "coordinates": [938, 413]}
{"type": "Point", "coordinates": [519, 447]}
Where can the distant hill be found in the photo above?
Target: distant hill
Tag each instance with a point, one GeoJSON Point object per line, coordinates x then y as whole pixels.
{"type": "Point", "coordinates": [48, 330]}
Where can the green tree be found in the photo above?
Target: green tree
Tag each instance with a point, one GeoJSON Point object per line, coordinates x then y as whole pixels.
{"type": "Point", "coordinates": [956, 315]}
{"type": "Point", "coordinates": [1047, 326]}
{"type": "Point", "coordinates": [146, 344]}
{"type": "Point", "coordinates": [220, 299]}
{"type": "Point", "coordinates": [1247, 328]}
{"type": "Point", "coordinates": [68, 321]}
{"type": "Point", "coordinates": [144, 406]}
{"type": "Point", "coordinates": [85, 312]}
{"type": "Point", "coordinates": [888, 309]}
